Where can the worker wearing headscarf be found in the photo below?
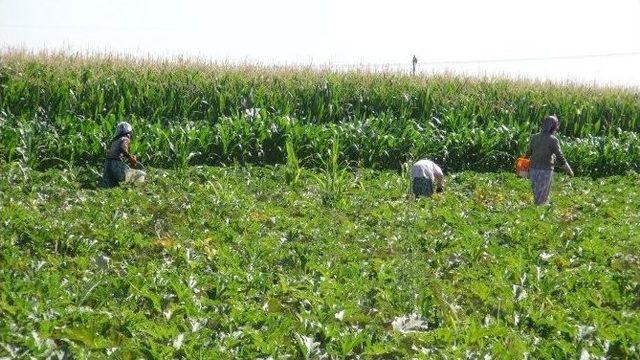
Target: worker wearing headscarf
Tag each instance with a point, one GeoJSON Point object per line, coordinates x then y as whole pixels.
{"type": "Point", "coordinates": [118, 157]}
{"type": "Point", "coordinates": [544, 152]}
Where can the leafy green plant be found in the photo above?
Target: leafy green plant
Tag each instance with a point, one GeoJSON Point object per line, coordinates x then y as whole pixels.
{"type": "Point", "coordinates": [333, 178]}
{"type": "Point", "coordinates": [292, 167]}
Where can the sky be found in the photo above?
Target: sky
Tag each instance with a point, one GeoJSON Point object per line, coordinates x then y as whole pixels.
{"type": "Point", "coordinates": [588, 41]}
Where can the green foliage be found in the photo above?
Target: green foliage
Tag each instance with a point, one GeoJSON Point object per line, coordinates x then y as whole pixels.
{"type": "Point", "coordinates": [292, 168]}
{"type": "Point", "coordinates": [56, 109]}
{"type": "Point", "coordinates": [231, 262]}
{"type": "Point", "coordinates": [98, 88]}
{"type": "Point", "coordinates": [282, 261]}
{"type": "Point", "coordinates": [333, 177]}
{"type": "Point", "coordinates": [383, 143]}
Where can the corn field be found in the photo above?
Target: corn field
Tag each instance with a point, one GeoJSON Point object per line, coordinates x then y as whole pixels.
{"type": "Point", "coordinates": [58, 109]}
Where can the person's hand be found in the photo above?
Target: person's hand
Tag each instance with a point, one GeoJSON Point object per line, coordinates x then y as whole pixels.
{"type": "Point", "coordinates": [568, 170]}
{"type": "Point", "coordinates": [133, 161]}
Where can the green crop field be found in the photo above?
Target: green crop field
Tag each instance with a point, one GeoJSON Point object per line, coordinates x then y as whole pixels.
{"type": "Point", "coordinates": [275, 221]}
{"type": "Point", "coordinates": [56, 109]}
{"type": "Point", "coordinates": [232, 262]}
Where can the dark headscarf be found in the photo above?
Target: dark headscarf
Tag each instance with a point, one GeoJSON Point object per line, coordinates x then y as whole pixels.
{"type": "Point", "coordinates": [550, 125]}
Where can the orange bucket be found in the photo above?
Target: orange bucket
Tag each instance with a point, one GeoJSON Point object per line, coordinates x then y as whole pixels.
{"type": "Point", "coordinates": [522, 167]}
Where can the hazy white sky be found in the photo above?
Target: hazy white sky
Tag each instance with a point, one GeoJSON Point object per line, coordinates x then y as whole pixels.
{"type": "Point", "coordinates": [349, 32]}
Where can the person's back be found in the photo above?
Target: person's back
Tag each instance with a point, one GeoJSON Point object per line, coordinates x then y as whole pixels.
{"type": "Point", "coordinates": [545, 151]}
{"type": "Point", "coordinates": [119, 148]}
{"type": "Point", "coordinates": [425, 176]}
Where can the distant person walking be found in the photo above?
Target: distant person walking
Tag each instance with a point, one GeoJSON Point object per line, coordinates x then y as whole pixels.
{"type": "Point", "coordinates": [544, 150]}
{"type": "Point", "coordinates": [115, 168]}
{"type": "Point", "coordinates": [426, 176]}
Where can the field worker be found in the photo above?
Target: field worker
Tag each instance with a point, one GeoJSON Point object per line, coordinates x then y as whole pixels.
{"type": "Point", "coordinates": [115, 168]}
{"type": "Point", "coordinates": [426, 176]}
{"type": "Point", "coordinates": [544, 150]}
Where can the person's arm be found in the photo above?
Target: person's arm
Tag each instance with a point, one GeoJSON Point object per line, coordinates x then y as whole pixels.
{"type": "Point", "coordinates": [568, 169]}
{"type": "Point", "coordinates": [562, 161]}
{"type": "Point", "coordinates": [124, 147]}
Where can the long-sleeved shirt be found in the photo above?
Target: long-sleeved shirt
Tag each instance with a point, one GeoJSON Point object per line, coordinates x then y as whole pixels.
{"type": "Point", "coordinates": [542, 150]}
{"type": "Point", "coordinates": [426, 168]}
{"type": "Point", "coordinates": [119, 149]}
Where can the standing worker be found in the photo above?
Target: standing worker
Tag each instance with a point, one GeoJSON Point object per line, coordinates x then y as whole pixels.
{"type": "Point", "coordinates": [426, 176]}
{"type": "Point", "coordinates": [115, 167]}
{"type": "Point", "coordinates": [544, 150]}
{"type": "Point", "coordinates": [414, 62]}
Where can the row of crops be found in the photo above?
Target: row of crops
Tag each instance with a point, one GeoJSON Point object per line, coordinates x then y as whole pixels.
{"type": "Point", "coordinates": [56, 109]}
{"type": "Point", "coordinates": [381, 142]}
{"type": "Point", "coordinates": [234, 263]}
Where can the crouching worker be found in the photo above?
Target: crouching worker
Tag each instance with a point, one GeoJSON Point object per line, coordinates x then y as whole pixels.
{"type": "Point", "coordinates": [116, 169]}
{"type": "Point", "coordinates": [427, 177]}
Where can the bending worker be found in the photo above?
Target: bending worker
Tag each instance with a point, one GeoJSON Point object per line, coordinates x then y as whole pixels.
{"type": "Point", "coordinates": [115, 167]}
{"type": "Point", "coordinates": [426, 177]}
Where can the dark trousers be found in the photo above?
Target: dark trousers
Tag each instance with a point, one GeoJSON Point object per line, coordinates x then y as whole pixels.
{"type": "Point", "coordinates": [113, 173]}
{"type": "Point", "coordinates": [422, 186]}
